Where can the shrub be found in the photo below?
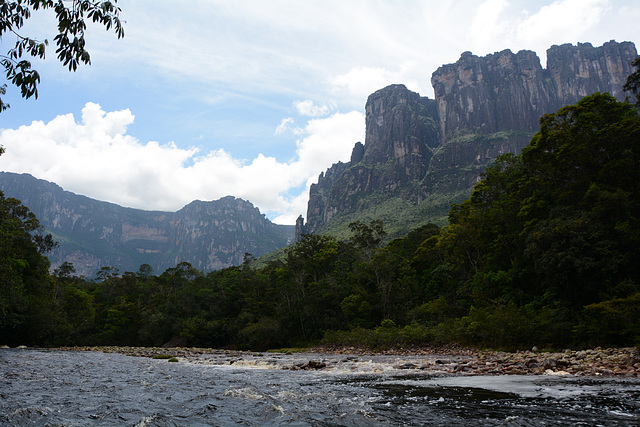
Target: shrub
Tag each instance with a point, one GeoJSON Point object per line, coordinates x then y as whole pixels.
{"type": "Point", "coordinates": [261, 335]}
{"type": "Point", "coordinates": [613, 322]}
{"type": "Point", "coordinates": [385, 336]}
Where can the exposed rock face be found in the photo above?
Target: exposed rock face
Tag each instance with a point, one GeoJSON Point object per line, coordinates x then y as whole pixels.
{"type": "Point", "coordinates": [94, 234]}
{"type": "Point", "coordinates": [577, 71]}
{"type": "Point", "coordinates": [488, 94]}
{"type": "Point", "coordinates": [507, 91]}
{"type": "Point", "coordinates": [419, 150]}
{"type": "Point", "coordinates": [401, 132]}
{"type": "Point", "coordinates": [401, 128]}
{"type": "Point", "coordinates": [319, 194]}
{"type": "Point", "coordinates": [299, 230]}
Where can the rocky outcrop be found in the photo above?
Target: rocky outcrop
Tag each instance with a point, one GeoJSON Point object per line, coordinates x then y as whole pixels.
{"type": "Point", "coordinates": [488, 94]}
{"type": "Point", "coordinates": [507, 91]}
{"type": "Point", "coordinates": [401, 134]}
{"type": "Point", "coordinates": [319, 195]}
{"type": "Point", "coordinates": [577, 71]}
{"type": "Point", "coordinates": [422, 151]}
{"type": "Point", "coordinates": [401, 127]}
{"type": "Point", "coordinates": [93, 234]}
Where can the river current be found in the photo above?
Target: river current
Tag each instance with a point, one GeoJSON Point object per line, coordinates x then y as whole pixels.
{"type": "Point", "coordinates": [68, 388]}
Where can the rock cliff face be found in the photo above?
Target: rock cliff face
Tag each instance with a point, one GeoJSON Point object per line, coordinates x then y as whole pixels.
{"type": "Point", "coordinates": [492, 93]}
{"type": "Point", "coordinates": [507, 91]}
{"type": "Point", "coordinates": [577, 71]}
{"type": "Point", "coordinates": [94, 234]}
{"type": "Point", "coordinates": [421, 154]}
{"type": "Point", "coordinates": [401, 136]}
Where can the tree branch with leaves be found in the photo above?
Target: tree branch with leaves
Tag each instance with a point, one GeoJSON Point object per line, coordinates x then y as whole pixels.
{"type": "Point", "coordinates": [70, 40]}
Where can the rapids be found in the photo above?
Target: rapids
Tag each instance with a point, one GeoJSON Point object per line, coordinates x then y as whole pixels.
{"type": "Point", "coordinates": [50, 387]}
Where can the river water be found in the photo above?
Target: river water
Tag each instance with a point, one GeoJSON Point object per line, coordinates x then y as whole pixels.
{"type": "Point", "coordinates": [55, 388]}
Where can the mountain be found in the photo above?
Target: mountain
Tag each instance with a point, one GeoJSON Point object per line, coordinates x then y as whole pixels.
{"type": "Point", "coordinates": [420, 154]}
{"type": "Point", "coordinates": [93, 234]}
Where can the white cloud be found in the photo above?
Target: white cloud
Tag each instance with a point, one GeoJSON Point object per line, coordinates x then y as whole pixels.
{"type": "Point", "coordinates": [284, 125]}
{"type": "Point", "coordinates": [97, 158]}
{"type": "Point", "coordinates": [326, 141]}
{"type": "Point", "coordinates": [502, 24]}
{"type": "Point", "coordinates": [487, 25]}
{"type": "Point", "coordinates": [308, 108]}
{"type": "Point", "coordinates": [564, 21]}
{"type": "Point", "coordinates": [363, 81]}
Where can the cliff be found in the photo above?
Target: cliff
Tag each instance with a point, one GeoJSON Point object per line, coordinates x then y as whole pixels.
{"type": "Point", "coordinates": [420, 155]}
{"type": "Point", "coordinates": [507, 91]}
{"type": "Point", "coordinates": [93, 234]}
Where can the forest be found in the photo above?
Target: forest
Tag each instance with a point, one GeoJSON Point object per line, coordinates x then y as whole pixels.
{"type": "Point", "coordinates": [544, 252]}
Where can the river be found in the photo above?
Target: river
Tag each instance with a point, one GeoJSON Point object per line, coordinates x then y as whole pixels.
{"type": "Point", "coordinates": [72, 388]}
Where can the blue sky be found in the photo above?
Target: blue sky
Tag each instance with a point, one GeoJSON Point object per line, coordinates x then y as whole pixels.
{"type": "Point", "coordinates": [204, 99]}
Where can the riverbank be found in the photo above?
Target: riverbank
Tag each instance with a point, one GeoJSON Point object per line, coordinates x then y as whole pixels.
{"type": "Point", "coordinates": [618, 362]}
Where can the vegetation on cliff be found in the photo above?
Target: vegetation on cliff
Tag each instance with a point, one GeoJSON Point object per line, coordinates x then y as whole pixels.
{"type": "Point", "coordinates": [543, 253]}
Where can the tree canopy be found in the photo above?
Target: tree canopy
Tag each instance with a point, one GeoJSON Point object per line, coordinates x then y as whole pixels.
{"type": "Point", "coordinates": [70, 38]}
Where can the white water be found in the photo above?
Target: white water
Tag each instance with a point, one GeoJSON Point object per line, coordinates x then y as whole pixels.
{"type": "Point", "coordinates": [91, 388]}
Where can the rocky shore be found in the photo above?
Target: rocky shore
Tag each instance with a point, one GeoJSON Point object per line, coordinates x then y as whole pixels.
{"type": "Point", "coordinates": [618, 362]}
{"type": "Point", "coordinates": [608, 362]}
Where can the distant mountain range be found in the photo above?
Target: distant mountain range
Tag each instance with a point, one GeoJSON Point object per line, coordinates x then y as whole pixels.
{"type": "Point", "coordinates": [420, 154]}
{"type": "Point", "coordinates": [94, 234]}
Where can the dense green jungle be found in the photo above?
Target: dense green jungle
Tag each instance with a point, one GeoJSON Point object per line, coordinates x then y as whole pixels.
{"type": "Point", "coordinates": [545, 252]}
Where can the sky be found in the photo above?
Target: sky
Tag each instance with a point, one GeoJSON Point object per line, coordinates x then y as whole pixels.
{"type": "Point", "coordinates": [252, 98]}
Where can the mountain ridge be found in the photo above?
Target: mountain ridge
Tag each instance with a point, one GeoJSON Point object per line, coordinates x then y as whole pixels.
{"type": "Point", "coordinates": [93, 234]}
{"type": "Point", "coordinates": [419, 156]}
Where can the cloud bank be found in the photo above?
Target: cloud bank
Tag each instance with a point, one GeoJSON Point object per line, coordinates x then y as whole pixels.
{"type": "Point", "coordinates": [97, 157]}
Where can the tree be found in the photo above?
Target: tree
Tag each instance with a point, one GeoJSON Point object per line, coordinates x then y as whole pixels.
{"type": "Point", "coordinates": [70, 40]}
{"type": "Point", "coordinates": [25, 286]}
{"type": "Point", "coordinates": [584, 162]}
{"type": "Point", "coordinates": [560, 220]}
{"type": "Point", "coordinates": [367, 237]}
{"type": "Point", "coordinates": [633, 82]}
